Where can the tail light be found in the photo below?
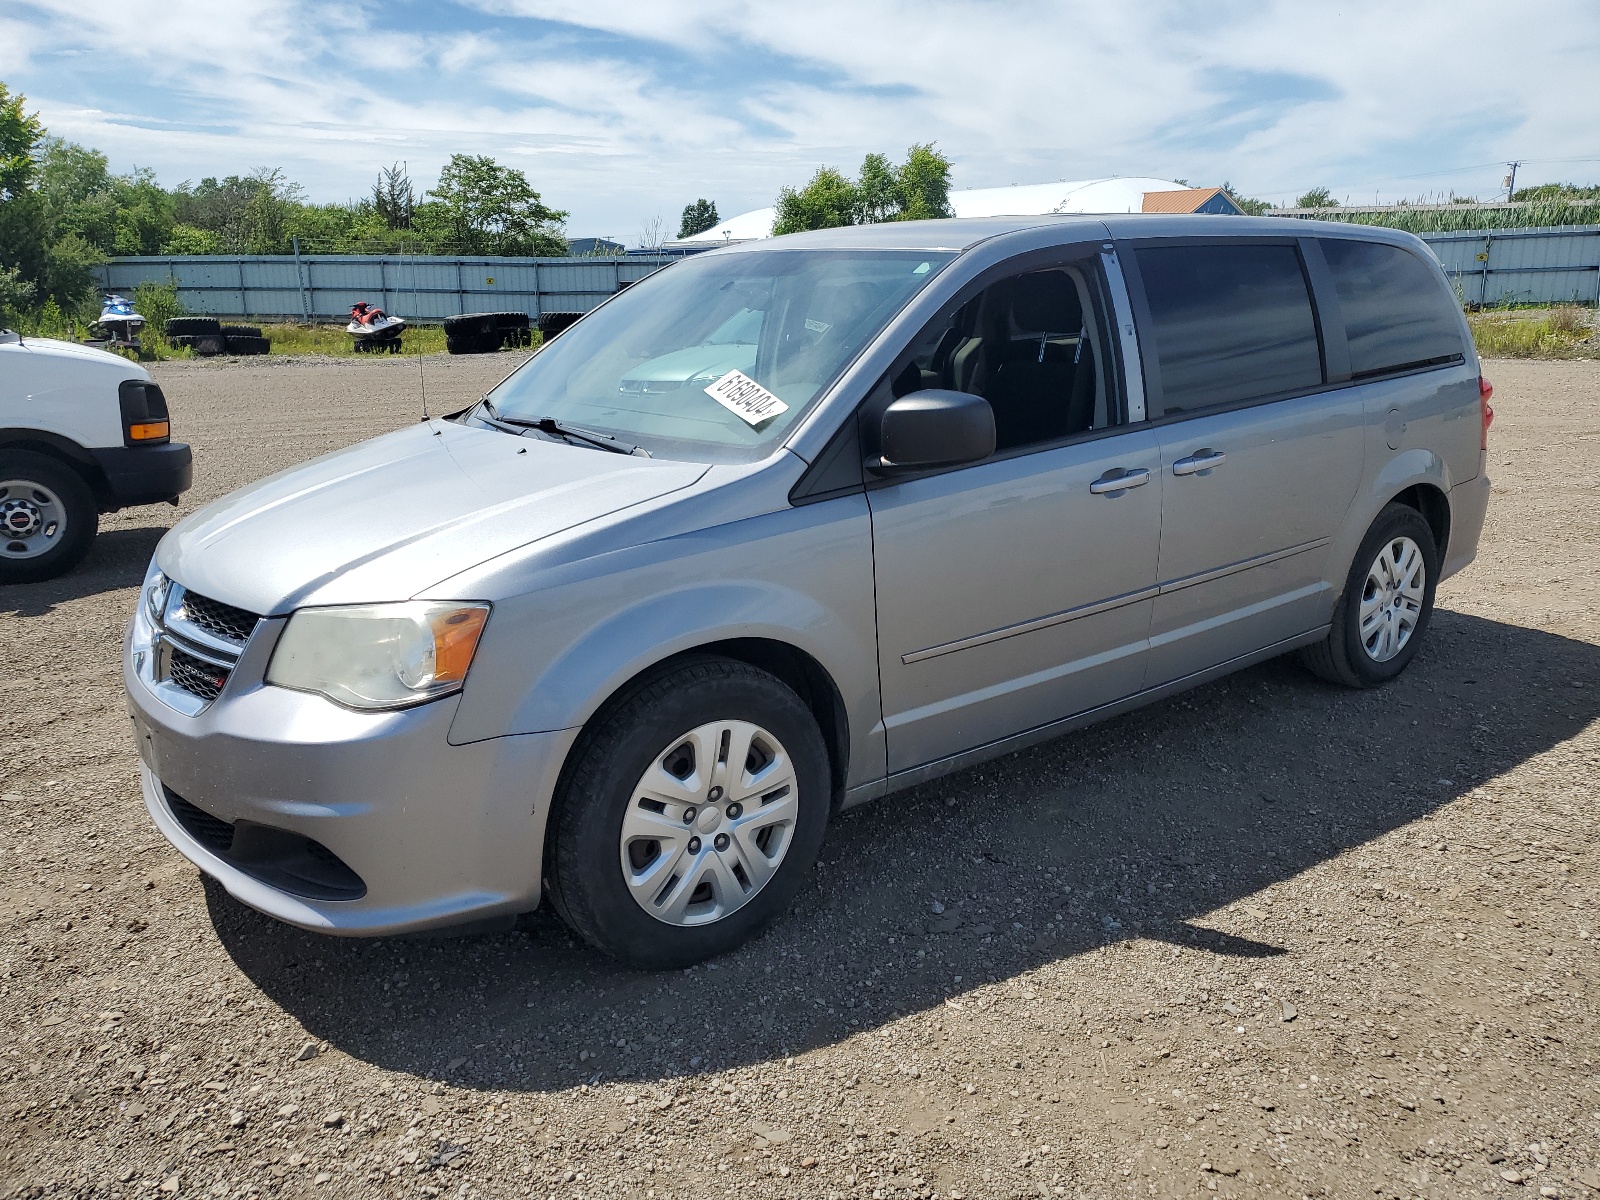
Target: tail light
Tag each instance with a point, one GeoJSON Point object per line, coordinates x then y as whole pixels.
{"type": "Point", "coordinates": [1485, 391]}
{"type": "Point", "coordinates": [144, 413]}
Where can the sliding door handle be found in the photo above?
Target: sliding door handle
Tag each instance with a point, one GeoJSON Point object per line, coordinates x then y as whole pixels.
{"type": "Point", "coordinates": [1200, 460]}
{"type": "Point", "coordinates": [1116, 481]}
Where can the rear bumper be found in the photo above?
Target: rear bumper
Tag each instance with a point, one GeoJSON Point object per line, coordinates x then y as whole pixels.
{"type": "Point", "coordinates": [145, 474]}
{"type": "Point", "coordinates": [1469, 504]}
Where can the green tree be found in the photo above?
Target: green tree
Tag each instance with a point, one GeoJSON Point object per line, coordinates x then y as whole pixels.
{"type": "Point", "coordinates": [878, 195]}
{"type": "Point", "coordinates": [19, 134]}
{"type": "Point", "coordinates": [828, 201]}
{"type": "Point", "coordinates": [916, 190]}
{"type": "Point", "coordinates": [697, 218]}
{"type": "Point", "coordinates": [481, 207]}
{"type": "Point", "coordinates": [1317, 197]}
{"type": "Point", "coordinates": [924, 185]}
{"type": "Point", "coordinates": [393, 199]}
{"type": "Point", "coordinates": [16, 296]}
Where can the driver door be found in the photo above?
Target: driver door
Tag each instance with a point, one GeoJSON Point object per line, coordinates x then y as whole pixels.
{"type": "Point", "coordinates": [1017, 591]}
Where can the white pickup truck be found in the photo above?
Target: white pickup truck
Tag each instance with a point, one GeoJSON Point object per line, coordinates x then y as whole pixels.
{"type": "Point", "coordinates": [82, 432]}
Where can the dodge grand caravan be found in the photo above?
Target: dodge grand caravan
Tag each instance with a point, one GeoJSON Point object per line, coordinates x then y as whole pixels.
{"type": "Point", "coordinates": [791, 526]}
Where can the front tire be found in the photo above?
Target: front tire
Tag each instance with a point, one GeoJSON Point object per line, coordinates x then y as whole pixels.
{"type": "Point", "coordinates": [689, 816]}
{"type": "Point", "coordinates": [48, 517]}
{"type": "Point", "coordinates": [1386, 605]}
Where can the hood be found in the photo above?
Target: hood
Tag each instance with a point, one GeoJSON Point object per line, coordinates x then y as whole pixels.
{"type": "Point", "coordinates": [70, 356]}
{"type": "Point", "coordinates": [387, 519]}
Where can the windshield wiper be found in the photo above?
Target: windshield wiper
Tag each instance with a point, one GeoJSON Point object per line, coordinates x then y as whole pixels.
{"type": "Point", "coordinates": [561, 429]}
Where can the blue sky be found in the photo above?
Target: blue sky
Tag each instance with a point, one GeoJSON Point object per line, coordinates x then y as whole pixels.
{"type": "Point", "coordinates": [620, 112]}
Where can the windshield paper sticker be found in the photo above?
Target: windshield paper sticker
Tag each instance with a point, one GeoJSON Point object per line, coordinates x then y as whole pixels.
{"type": "Point", "coordinates": [746, 398]}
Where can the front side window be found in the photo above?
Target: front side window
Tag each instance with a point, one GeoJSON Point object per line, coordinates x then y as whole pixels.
{"type": "Point", "coordinates": [1397, 316]}
{"type": "Point", "coordinates": [1028, 344]}
{"type": "Point", "coordinates": [1230, 323]}
{"type": "Point", "coordinates": [768, 330]}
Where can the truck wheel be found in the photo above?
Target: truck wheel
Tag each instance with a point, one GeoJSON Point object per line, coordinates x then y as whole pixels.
{"type": "Point", "coordinates": [690, 815]}
{"type": "Point", "coordinates": [1383, 613]}
{"type": "Point", "coordinates": [48, 517]}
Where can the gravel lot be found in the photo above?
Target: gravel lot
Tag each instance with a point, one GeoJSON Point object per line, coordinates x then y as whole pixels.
{"type": "Point", "coordinates": [1270, 938]}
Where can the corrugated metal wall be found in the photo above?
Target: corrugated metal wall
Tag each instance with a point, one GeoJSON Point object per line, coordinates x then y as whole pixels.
{"type": "Point", "coordinates": [1522, 266]}
{"type": "Point", "coordinates": [1507, 266]}
{"type": "Point", "coordinates": [324, 286]}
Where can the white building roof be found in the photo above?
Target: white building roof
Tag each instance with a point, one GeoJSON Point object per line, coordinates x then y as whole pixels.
{"type": "Point", "coordinates": [1115, 195]}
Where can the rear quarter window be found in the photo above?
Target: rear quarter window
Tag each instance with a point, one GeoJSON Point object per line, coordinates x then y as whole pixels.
{"type": "Point", "coordinates": [1397, 315]}
{"type": "Point", "coordinates": [1230, 322]}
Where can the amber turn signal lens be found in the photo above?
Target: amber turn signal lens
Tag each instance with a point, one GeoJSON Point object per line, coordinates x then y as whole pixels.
{"type": "Point", "coordinates": [455, 638]}
{"type": "Point", "coordinates": [149, 431]}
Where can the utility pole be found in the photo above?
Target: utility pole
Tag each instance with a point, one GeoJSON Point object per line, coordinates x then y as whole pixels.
{"type": "Point", "coordinates": [1510, 181]}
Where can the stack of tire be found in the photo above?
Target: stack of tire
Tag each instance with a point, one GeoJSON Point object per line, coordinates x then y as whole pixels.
{"type": "Point", "coordinates": [553, 323]}
{"type": "Point", "coordinates": [207, 336]}
{"type": "Point", "coordinates": [484, 333]}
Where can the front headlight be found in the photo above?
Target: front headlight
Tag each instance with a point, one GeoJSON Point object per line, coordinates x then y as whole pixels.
{"type": "Point", "coordinates": [376, 656]}
{"type": "Point", "coordinates": [156, 587]}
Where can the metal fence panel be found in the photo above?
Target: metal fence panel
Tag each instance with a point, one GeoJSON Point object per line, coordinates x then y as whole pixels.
{"type": "Point", "coordinates": [324, 286]}
{"type": "Point", "coordinates": [1522, 266]}
{"type": "Point", "coordinates": [1488, 267]}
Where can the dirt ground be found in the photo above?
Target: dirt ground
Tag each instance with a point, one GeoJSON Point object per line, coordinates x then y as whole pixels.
{"type": "Point", "coordinates": [1268, 939]}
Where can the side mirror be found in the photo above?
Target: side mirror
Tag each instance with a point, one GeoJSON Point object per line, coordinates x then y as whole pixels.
{"type": "Point", "coordinates": [934, 428]}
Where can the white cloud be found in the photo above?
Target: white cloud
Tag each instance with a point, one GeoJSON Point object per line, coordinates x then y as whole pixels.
{"type": "Point", "coordinates": [619, 110]}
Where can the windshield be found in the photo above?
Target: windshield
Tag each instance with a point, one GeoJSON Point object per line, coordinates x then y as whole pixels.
{"type": "Point", "coordinates": [715, 358]}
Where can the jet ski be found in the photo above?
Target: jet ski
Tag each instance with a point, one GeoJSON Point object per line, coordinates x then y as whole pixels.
{"type": "Point", "coordinates": [119, 324]}
{"type": "Point", "coordinates": [373, 329]}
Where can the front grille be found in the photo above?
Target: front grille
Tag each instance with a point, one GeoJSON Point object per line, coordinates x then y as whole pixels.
{"type": "Point", "coordinates": [215, 834]}
{"type": "Point", "coordinates": [216, 618]}
{"type": "Point", "coordinates": [195, 675]}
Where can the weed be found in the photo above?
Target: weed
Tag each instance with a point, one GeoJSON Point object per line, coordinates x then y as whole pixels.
{"type": "Point", "coordinates": [333, 340]}
{"type": "Point", "coordinates": [1561, 332]}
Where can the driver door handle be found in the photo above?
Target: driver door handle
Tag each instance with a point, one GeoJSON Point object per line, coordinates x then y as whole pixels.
{"type": "Point", "coordinates": [1200, 460]}
{"type": "Point", "coordinates": [1110, 484]}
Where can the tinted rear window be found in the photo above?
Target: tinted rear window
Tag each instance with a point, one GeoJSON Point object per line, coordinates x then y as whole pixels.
{"type": "Point", "coordinates": [1395, 313]}
{"type": "Point", "coordinates": [1231, 323]}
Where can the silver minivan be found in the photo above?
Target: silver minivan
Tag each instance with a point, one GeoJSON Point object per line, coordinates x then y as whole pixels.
{"type": "Point", "coordinates": [790, 526]}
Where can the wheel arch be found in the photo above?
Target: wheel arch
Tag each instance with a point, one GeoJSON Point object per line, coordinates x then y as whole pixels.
{"type": "Point", "coordinates": [65, 451]}
{"type": "Point", "coordinates": [796, 668]}
{"type": "Point", "coordinates": [1434, 505]}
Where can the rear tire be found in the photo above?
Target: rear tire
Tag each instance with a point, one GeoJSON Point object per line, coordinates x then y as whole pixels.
{"type": "Point", "coordinates": [245, 344]}
{"type": "Point", "coordinates": [209, 344]}
{"type": "Point", "coordinates": [1348, 657]}
{"type": "Point", "coordinates": [600, 790]}
{"type": "Point", "coordinates": [240, 331]}
{"type": "Point", "coordinates": [34, 491]}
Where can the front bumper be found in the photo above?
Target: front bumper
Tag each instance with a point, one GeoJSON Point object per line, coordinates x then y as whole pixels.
{"type": "Point", "coordinates": [145, 474]}
{"type": "Point", "coordinates": [437, 834]}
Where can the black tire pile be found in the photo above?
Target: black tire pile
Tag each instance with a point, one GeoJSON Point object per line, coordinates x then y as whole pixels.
{"type": "Point", "coordinates": [553, 323]}
{"type": "Point", "coordinates": [485, 333]}
{"type": "Point", "coordinates": [207, 336]}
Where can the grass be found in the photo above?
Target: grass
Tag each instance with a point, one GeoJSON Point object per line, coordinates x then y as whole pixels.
{"type": "Point", "coordinates": [1564, 331]}
{"type": "Point", "coordinates": [334, 341]}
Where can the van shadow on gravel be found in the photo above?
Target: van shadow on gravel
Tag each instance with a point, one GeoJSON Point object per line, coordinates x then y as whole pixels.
{"type": "Point", "coordinates": [117, 559]}
{"type": "Point", "coordinates": [1134, 828]}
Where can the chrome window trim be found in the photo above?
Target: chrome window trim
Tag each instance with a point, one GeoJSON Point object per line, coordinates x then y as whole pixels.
{"type": "Point", "coordinates": [1127, 335]}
